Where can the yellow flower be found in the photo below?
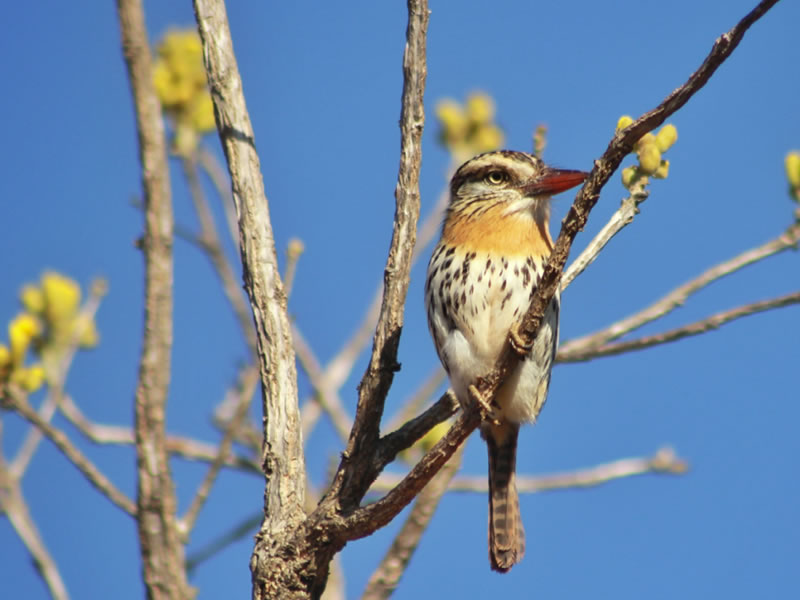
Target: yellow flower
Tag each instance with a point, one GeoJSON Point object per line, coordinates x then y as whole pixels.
{"type": "Point", "coordinates": [487, 137]}
{"type": "Point", "coordinates": [62, 297]}
{"type": "Point", "coordinates": [452, 119]}
{"type": "Point", "coordinates": [30, 378]}
{"type": "Point", "coordinates": [662, 171]}
{"type": "Point", "coordinates": [649, 158]}
{"type": "Point", "coordinates": [5, 356]}
{"type": "Point", "coordinates": [32, 299]}
{"type": "Point", "coordinates": [89, 337]}
{"type": "Point", "coordinates": [480, 108]}
{"type": "Point", "coordinates": [667, 136]}
{"type": "Point", "coordinates": [21, 331]}
{"type": "Point", "coordinates": [792, 164]}
{"type": "Point", "coordinates": [624, 121]}
{"type": "Point", "coordinates": [201, 114]}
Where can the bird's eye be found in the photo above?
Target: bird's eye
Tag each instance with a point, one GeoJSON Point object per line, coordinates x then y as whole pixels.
{"type": "Point", "coordinates": [496, 177]}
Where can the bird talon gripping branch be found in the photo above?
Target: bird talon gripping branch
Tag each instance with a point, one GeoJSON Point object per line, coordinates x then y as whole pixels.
{"type": "Point", "coordinates": [518, 345]}
{"type": "Point", "coordinates": [488, 412]}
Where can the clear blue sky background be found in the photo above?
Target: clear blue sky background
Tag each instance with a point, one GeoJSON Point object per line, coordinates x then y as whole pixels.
{"type": "Point", "coordinates": [323, 84]}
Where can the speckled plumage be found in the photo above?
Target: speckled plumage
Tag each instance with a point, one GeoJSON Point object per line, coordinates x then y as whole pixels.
{"type": "Point", "coordinates": [481, 278]}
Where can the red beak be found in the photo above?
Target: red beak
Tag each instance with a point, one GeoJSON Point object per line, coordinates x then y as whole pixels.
{"type": "Point", "coordinates": [554, 181]}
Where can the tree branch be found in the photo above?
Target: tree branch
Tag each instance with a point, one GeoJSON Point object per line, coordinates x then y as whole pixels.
{"type": "Point", "coordinates": [161, 549]}
{"type": "Point", "coordinates": [702, 326]}
{"type": "Point", "coordinates": [386, 576]}
{"type": "Point", "coordinates": [283, 449]}
{"type": "Point", "coordinates": [572, 349]}
{"type": "Point", "coordinates": [374, 386]}
{"type": "Point", "coordinates": [16, 401]}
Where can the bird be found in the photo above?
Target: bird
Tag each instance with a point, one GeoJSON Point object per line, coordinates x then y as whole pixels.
{"type": "Point", "coordinates": [481, 277]}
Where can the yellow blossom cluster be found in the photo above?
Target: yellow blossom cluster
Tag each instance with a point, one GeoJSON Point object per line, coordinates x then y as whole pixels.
{"type": "Point", "coordinates": [468, 129]}
{"type": "Point", "coordinates": [648, 150]}
{"type": "Point", "coordinates": [792, 164]}
{"type": "Point", "coordinates": [50, 323]}
{"type": "Point", "coordinates": [180, 81]}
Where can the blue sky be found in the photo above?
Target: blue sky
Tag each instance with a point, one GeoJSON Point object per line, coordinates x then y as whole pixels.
{"type": "Point", "coordinates": [323, 86]}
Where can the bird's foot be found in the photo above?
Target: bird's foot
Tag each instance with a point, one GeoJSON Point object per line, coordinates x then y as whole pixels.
{"type": "Point", "coordinates": [488, 412]}
{"type": "Point", "coordinates": [519, 345]}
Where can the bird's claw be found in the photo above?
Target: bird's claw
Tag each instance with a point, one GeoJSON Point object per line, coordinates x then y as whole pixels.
{"type": "Point", "coordinates": [519, 345]}
{"type": "Point", "coordinates": [488, 412]}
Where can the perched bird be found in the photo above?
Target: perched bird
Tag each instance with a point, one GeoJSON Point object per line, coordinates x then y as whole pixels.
{"type": "Point", "coordinates": [481, 278]}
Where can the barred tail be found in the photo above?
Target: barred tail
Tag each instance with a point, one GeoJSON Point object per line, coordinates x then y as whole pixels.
{"type": "Point", "coordinates": [506, 535]}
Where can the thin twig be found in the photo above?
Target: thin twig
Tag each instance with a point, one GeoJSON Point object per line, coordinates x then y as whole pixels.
{"type": "Point", "coordinates": [386, 576]}
{"type": "Point", "coordinates": [325, 397]}
{"type": "Point", "coordinates": [622, 217]}
{"type": "Point", "coordinates": [789, 239]}
{"type": "Point", "coordinates": [187, 448]}
{"type": "Point", "coordinates": [663, 461]}
{"type": "Point", "coordinates": [221, 183]}
{"type": "Point", "coordinates": [16, 401]}
{"type": "Point", "coordinates": [211, 245]}
{"type": "Point", "coordinates": [702, 326]}
{"type": "Point", "coordinates": [246, 387]}
{"type": "Point", "coordinates": [14, 506]}
{"type": "Point", "coordinates": [418, 399]}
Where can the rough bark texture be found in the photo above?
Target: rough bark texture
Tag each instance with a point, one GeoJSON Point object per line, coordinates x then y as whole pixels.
{"type": "Point", "coordinates": [161, 548]}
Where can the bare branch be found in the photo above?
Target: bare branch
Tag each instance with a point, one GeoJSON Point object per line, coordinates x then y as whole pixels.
{"type": "Point", "coordinates": [13, 505]}
{"type": "Point", "coordinates": [16, 401]}
{"type": "Point", "coordinates": [283, 445]}
{"type": "Point", "coordinates": [383, 364]}
{"type": "Point", "coordinates": [419, 398]}
{"type": "Point", "coordinates": [220, 182]}
{"type": "Point", "coordinates": [161, 549]}
{"type": "Point", "coordinates": [326, 398]}
{"type": "Point", "coordinates": [789, 239]}
{"type": "Point", "coordinates": [210, 243]}
{"type": "Point", "coordinates": [622, 217]}
{"type": "Point", "coordinates": [385, 578]}
{"type": "Point", "coordinates": [246, 387]}
{"type": "Point", "coordinates": [372, 517]}
{"type": "Point", "coordinates": [709, 323]}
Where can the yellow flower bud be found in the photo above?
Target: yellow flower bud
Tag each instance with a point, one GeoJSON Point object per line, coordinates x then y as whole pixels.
{"type": "Point", "coordinates": [647, 139]}
{"type": "Point", "coordinates": [5, 356]}
{"type": "Point", "coordinates": [436, 433]}
{"type": "Point", "coordinates": [30, 379]}
{"type": "Point", "coordinates": [649, 158]}
{"type": "Point", "coordinates": [452, 119]}
{"type": "Point", "coordinates": [624, 121]}
{"type": "Point", "coordinates": [296, 248]}
{"type": "Point", "coordinates": [487, 137]}
{"type": "Point", "coordinates": [201, 114]}
{"type": "Point", "coordinates": [628, 175]}
{"type": "Point", "coordinates": [480, 108]}
{"type": "Point", "coordinates": [62, 296]}
{"type": "Point", "coordinates": [89, 337]}
{"type": "Point", "coordinates": [792, 164]}
{"type": "Point", "coordinates": [663, 170]}
{"type": "Point", "coordinates": [32, 299]}
{"type": "Point", "coordinates": [21, 331]}
{"type": "Point", "coordinates": [666, 136]}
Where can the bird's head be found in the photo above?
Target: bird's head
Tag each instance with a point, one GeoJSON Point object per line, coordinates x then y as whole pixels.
{"type": "Point", "coordinates": [512, 182]}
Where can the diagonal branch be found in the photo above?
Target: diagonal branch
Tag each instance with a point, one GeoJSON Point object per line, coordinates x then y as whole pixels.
{"type": "Point", "coordinates": [789, 239]}
{"type": "Point", "coordinates": [283, 445]}
{"type": "Point", "coordinates": [702, 326]}
{"type": "Point", "coordinates": [377, 379]}
{"type": "Point", "coordinates": [17, 402]}
{"type": "Point", "coordinates": [386, 576]}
